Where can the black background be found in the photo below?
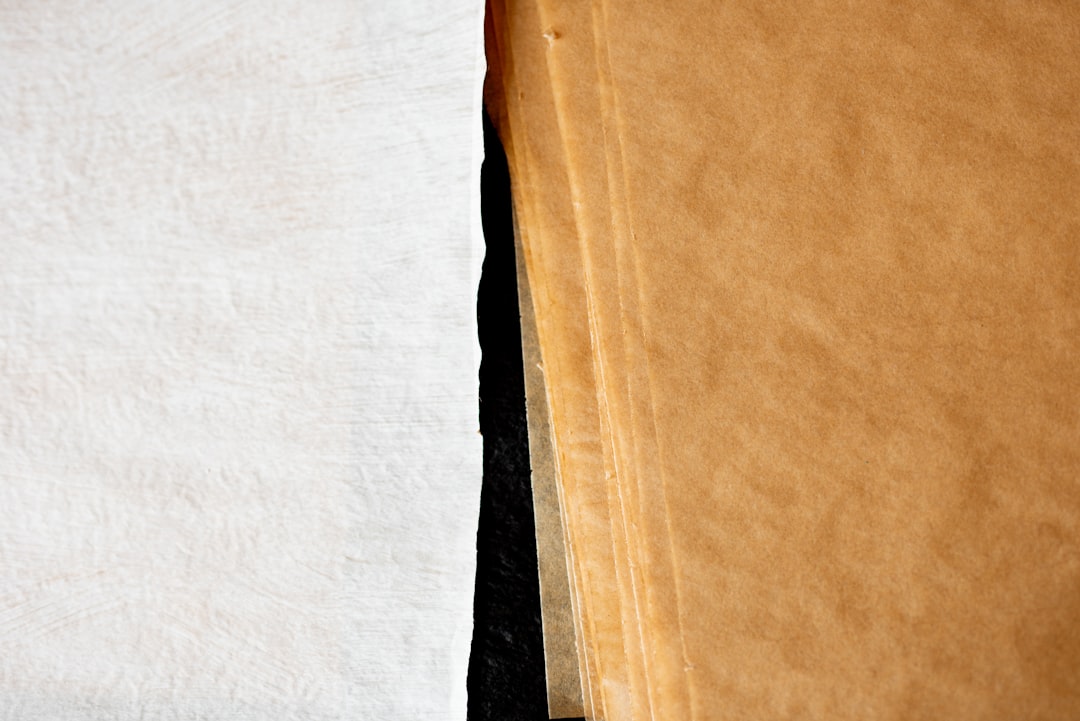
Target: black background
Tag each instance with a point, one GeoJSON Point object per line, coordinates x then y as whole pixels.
{"type": "Point", "coordinates": [506, 668]}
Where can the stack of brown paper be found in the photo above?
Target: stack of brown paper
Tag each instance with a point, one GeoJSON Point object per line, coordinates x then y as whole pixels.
{"type": "Point", "coordinates": [806, 291]}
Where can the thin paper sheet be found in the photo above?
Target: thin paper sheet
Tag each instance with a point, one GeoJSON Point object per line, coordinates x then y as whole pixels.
{"type": "Point", "coordinates": [562, 667]}
{"type": "Point", "coordinates": [238, 438]}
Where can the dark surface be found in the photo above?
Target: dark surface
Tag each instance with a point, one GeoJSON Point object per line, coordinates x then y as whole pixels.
{"type": "Point", "coordinates": [506, 668]}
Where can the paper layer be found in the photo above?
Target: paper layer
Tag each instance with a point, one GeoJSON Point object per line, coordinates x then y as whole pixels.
{"type": "Point", "coordinates": [239, 459]}
{"type": "Point", "coordinates": [821, 264]}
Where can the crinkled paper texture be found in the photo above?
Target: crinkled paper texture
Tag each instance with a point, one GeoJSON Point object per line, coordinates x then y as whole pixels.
{"type": "Point", "coordinates": [239, 460]}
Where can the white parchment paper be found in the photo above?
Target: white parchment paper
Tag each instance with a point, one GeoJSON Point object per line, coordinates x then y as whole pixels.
{"type": "Point", "coordinates": [239, 459]}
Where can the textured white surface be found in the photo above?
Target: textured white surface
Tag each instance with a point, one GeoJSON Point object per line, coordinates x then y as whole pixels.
{"type": "Point", "coordinates": [239, 461]}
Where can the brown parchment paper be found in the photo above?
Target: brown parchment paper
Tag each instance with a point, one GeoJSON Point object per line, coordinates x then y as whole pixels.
{"type": "Point", "coordinates": [562, 668]}
{"type": "Point", "coordinates": [554, 273]}
{"type": "Point", "coordinates": [567, 35]}
{"type": "Point", "coordinates": [539, 419]}
{"type": "Point", "coordinates": [859, 232]}
{"type": "Point", "coordinates": [846, 251]}
{"type": "Point", "coordinates": [571, 58]}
